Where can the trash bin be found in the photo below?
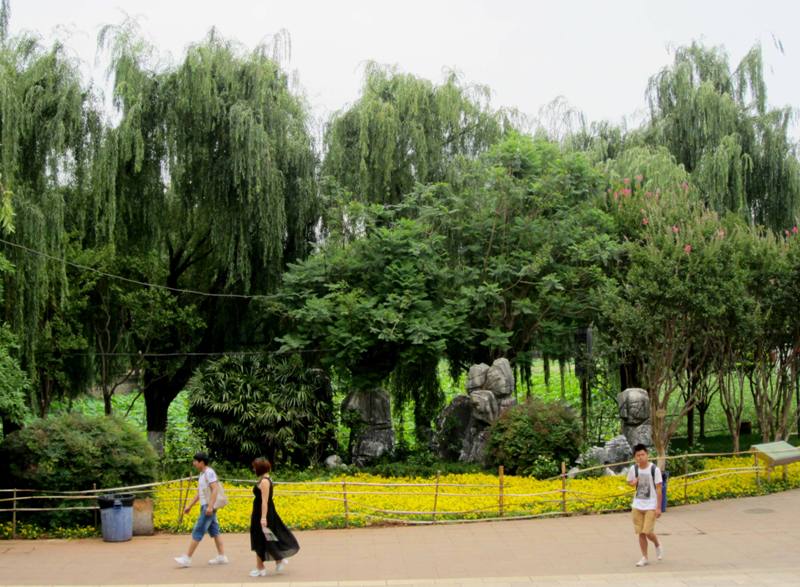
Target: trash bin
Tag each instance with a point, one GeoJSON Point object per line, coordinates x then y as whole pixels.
{"type": "Point", "coordinates": [116, 517]}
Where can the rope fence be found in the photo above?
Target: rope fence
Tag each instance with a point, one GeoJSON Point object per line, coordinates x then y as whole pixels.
{"type": "Point", "coordinates": [508, 504]}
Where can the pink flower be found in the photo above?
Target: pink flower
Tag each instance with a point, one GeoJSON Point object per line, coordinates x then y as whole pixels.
{"type": "Point", "coordinates": [639, 178]}
{"type": "Point", "coordinates": [626, 192]}
{"type": "Point", "coordinates": [721, 233]}
{"type": "Point", "coordinates": [626, 181]}
{"type": "Point", "coordinates": [685, 186]}
{"type": "Point", "coordinates": [794, 229]}
{"type": "Point", "coordinates": [645, 221]}
{"type": "Point", "coordinates": [687, 248]}
{"type": "Point", "coordinates": [616, 196]}
{"type": "Point", "coordinates": [675, 229]}
{"type": "Point", "coordinates": [786, 232]}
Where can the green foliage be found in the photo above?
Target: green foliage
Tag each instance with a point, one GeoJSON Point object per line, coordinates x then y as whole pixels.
{"type": "Point", "coordinates": [73, 451]}
{"type": "Point", "coordinates": [716, 122]}
{"type": "Point", "coordinates": [250, 406]}
{"type": "Point", "coordinates": [532, 430]}
{"type": "Point", "coordinates": [543, 467]}
{"type": "Point", "coordinates": [405, 130]}
{"type": "Point", "coordinates": [14, 383]}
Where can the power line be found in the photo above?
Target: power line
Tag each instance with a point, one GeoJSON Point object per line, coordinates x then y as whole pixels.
{"type": "Point", "coordinates": [135, 281]}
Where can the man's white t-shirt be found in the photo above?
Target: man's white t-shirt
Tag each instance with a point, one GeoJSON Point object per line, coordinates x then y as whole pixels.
{"type": "Point", "coordinates": [646, 497]}
{"type": "Point", "coordinates": [204, 482]}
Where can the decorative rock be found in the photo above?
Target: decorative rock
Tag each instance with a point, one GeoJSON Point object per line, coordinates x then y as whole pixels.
{"type": "Point", "coordinates": [500, 378]}
{"type": "Point", "coordinates": [609, 472]}
{"type": "Point", "coordinates": [616, 450]}
{"type": "Point", "coordinates": [452, 427]}
{"type": "Point", "coordinates": [573, 472]}
{"type": "Point", "coordinates": [334, 462]}
{"type": "Point", "coordinates": [484, 406]}
{"type": "Point", "coordinates": [462, 430]}
{"type": "Point", "coordinates": [634, 411]}
{"type": "Point", "coordinates": [371, 433]}
{"type": "Point", "coordinates": [477, 377]}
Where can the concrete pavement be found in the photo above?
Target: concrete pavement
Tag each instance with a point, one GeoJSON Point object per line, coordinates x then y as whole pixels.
{"type": "Point", "coordinates": [749, 541]}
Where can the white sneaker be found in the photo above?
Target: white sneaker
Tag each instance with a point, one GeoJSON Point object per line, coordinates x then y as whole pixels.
{"type": "Point", "coordinates": [183, 561]}
{"type": "Point", "coordinates": [659, 552]}
{"type": "Point", "coordinates": [281, 565]}
{"type": "Point", "coordinates": [258, 573]}
{"type": "Point", "coordinates": [220, 559]}
{"type": "Point", "coordinates": [642, 562]}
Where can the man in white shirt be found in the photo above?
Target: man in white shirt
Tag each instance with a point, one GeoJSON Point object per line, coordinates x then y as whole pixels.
{"type": "Point", "coordinates": [647, 480]}
{"type": "Point", "coordinates": [207, 490]}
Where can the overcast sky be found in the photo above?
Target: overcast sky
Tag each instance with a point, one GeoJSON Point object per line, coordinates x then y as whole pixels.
{"type": "Point", "coordinates": [597, 54]}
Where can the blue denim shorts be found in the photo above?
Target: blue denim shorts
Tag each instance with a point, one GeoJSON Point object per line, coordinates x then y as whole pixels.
{"type": "Point", "coordinates": [205, 524]}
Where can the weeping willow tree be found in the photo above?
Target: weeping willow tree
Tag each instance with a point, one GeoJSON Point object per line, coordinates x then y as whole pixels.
{"type": "Point", "coordinates": [405, 130]}
{"type": "Point", "coordinates": [212, 171]}
{"type": "Point", "coordinates": [45, 128]}
{"type": "Point", "coordinates": [716, 122]}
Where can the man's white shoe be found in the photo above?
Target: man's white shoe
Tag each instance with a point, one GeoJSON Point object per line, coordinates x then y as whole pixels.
{"type": "Point", "coordinates": [219, 560]}
{"type": "Point", "coordinates": [642, 562]}
{"type": "Point", "coordinates": [183, 561]}
{"type": "Point", "coordinates": [659, 552]}
{"type": "Point", "coordinates": [258, 573]}
{"type": "Point", "coordinates": [280, 566]}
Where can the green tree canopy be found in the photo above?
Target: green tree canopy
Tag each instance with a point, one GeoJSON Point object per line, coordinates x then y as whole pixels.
{"type": "Point", "coordinates": [403, 130]}
{"type": "Point", "coordinates": [717, 123]}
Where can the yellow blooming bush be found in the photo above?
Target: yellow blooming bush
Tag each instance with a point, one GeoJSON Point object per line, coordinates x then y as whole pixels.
{"type": "Point", "coordinates": [372, 499]}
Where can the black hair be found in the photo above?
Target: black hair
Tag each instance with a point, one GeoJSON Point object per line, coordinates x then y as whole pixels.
{"type": "Point", "coordinates": [639, 447]}
{"type": "Point", "coordinates": [201, 457]}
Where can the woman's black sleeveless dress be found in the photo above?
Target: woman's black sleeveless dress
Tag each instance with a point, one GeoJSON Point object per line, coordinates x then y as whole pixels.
{"type": "Point", "coordinates": [267, 550]}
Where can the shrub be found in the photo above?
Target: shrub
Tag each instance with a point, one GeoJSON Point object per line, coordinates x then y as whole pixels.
{"type": "Point", "coordinates": [249, 406]}
{"type": "Point", "coordinates": [73, 451]}
{"type": "Point", "coordinates": [531, 430]}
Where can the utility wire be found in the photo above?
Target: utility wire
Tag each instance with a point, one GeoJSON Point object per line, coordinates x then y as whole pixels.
{"type": "Point", "coordinates": [135, 281]}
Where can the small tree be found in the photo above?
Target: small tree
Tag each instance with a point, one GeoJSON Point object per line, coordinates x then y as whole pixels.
{"type": "Point", "coordinates": [250, 406]}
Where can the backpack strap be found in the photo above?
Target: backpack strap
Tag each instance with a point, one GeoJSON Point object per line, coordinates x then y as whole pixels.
{"type": "Point", "coordinates": [653, 473]}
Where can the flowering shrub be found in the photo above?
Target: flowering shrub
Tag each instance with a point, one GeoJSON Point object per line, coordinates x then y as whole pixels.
{"type": "Point", "coordinates": [461, 496]}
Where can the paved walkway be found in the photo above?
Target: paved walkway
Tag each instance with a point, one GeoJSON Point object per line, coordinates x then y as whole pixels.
{"type": "Point", "coordinates": [752, 541]}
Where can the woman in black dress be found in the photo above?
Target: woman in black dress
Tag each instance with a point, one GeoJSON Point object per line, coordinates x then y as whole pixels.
{"type": "Point", "coordinates": [265, 522]}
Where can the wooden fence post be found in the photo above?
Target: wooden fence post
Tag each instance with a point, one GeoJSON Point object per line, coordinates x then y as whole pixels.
{"type": "Point", "coordinates": [14, 517]}
{"type": "Point", "coordinates": [181, 506]}
{"type": "Point", "coordinates": [563, 487]}
{"type": "Point", "coordinates": [94, 488]}
{"type": "Point", "coordinates": [436, 497]}
{"type": "Point", "coordinates": [755, 466]}
{"type": "Point", "coordinates": [346, 505]}
{"type": "Point", "coordinates": [500, 503]}
{"type": "Point", "coordinates": [685, 476]}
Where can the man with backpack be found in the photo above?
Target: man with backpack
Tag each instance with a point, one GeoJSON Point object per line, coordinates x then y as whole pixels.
{"type": "Point", "coordinates": [647, 480]}
{"type": "Point", "coordinates": [211, 498]}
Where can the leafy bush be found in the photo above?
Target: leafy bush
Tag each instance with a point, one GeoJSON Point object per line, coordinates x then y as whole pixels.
{"type": "Point", "coordinates": [73, 451]}
{"type": "Point", "coordinates": [249, 406]}
{"type": "Point", "coordinates": [531, 430]}
{"type": "Point", "coordinates": [543, 467]}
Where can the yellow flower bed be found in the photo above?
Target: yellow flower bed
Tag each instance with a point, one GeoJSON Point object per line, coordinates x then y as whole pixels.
{"type": "Point", "coordinates": [372, 499]}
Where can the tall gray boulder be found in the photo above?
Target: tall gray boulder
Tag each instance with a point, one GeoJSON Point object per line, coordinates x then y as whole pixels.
{"type": "Point", "coordinates": [369, 414]}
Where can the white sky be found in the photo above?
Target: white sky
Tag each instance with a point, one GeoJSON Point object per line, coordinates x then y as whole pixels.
{"type": "Point", "coordinates": [597, 54]}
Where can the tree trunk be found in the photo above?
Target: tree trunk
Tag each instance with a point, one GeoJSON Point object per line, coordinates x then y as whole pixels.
{"type": "Point", "coordinates": [585, 404]}
{"type": "Point", "coordinates": [701, 411]}
{"type": "Point", "coordinates": [628, 375]}
{"type": "Point", "coordinates": [546, 366]}
{"type": "Point", "coordinates": [159, 391]}
{"type": "Point", "coordinates": [107, 402]}
{"type": "Point", "coordinates": [690, 427]}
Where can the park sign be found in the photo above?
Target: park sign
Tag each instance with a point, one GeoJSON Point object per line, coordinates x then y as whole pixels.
{"type": "Point", "coordinates": [777, 453]}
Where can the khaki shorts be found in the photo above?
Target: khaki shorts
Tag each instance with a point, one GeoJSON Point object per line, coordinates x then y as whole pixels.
{"type": "Point", "coordinates": [644, 521]}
